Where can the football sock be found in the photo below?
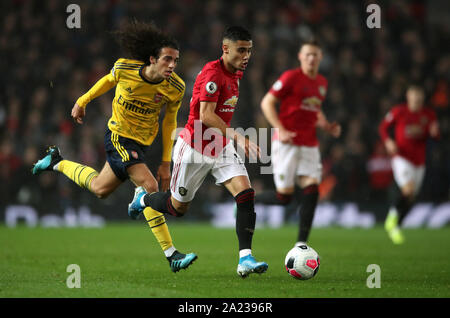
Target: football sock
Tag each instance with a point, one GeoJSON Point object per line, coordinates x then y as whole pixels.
{"type": "Point", "coordinates": [403, 206]}
{"type": "Point", "coordinates": [245, 218]}
{"type": "Point", "coordinates": [157, 222]}
{"type": "Point", "coordinates": [310, 195]}
{"type": "Point", "coordinates": [78, 173]}
{"type": "Point", "coordinates": [273, 198]}
{"type": "Point", "coordinates": [161, 202]}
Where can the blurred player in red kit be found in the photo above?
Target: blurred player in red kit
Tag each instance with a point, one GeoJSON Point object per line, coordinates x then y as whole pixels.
{"type": "Point", "coordinates": [413, 124]}
{"type": "Point", "coordinates": [295, 147]}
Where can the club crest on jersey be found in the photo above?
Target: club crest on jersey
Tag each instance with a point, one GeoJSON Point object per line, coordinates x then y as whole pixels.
{"type": "Point", "coordinates": [322, 90]}
{"type": "Point", "coordinates": [157, 98]}
{"type": "Point", "coordinates": [231, 101]}
{"type": "Point", "coordinates": [134, 154]}
{"type": "Point", "coordinates": [277, 85]}
{"type": "Point", "coordinates": [211, 87]}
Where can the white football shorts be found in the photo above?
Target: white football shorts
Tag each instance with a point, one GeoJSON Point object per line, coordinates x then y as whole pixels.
{"type": "Point", "coordinates": [290, 161]}
{"type": "Point", "coordinates": [190, 169]}
{"type": "Point", "coordinates": [405, 171]}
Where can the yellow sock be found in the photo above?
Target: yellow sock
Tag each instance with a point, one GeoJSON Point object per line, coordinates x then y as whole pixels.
{"type": "Point", "coordinates": [78, 173]}
{"type": "Point", "coordinates": [157, 223]}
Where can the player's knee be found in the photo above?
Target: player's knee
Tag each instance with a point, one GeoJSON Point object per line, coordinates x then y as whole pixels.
{"type": "Point", "coordinates": [150, 186]}
{"type": "Point", "coordinates": [102, 193]}
{"type": "Point", "coordinates": [180, 208]}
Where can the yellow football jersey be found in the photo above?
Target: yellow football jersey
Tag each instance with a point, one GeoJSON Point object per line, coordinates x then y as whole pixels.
{"type": "Point", "coordinates": [137, 103]}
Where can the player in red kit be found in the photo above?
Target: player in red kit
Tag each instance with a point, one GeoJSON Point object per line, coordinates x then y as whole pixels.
{"type": "Point", "coordinates": [412, 124]}
{"type": "Point", "coordinates": [295, 148]}
{"type": "Point", "coordinates": [204, 147]}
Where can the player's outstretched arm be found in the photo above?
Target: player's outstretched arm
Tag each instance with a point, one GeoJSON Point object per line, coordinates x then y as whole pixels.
{"type": "Point", "coordinates": [101, 87]}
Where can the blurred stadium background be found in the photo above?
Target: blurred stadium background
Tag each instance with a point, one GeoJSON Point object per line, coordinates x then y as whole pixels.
{"type": "Point", "coordinates": [46, 66]}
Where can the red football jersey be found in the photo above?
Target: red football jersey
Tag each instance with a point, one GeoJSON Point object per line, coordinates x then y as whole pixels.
{"type": "Point", "coordinates": [411, 130]}
{"type": "Point", "coordinates": [301, 99]}
{"type": "Point", "coordinates": [213, 84]}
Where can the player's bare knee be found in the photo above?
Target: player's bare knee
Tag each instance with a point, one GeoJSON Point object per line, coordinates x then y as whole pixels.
{"type": "Point", "coordinates": [102, 193]}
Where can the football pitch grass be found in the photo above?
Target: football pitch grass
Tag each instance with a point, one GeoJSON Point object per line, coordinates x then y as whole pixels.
{"type": "Point", "coordinates": [124, 260]}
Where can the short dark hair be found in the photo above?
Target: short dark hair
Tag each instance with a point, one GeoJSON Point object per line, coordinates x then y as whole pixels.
{"type": "Point", "coordinates": [414, 86]}
{"type": "Point", "coordinates": [140, 40]}
{"type": "Point", "coordinates": [311, 41]}
{"type": "Point", "coordinates": [237, 33]}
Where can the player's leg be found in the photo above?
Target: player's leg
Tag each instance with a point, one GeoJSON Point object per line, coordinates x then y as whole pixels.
{"type": "Point", "coordinates": [231, 173]}
{"type": "Point", "coordinates": [101, 184]}
{"type": "Point", "coordinates": [404, 173]}
{"type": "Point", "coordinates": [310, 194]}
{"type": "Point", "coordinates": [142, 177]}
{"type": "Point", "coordinates": [284, 164]}
{"type": "Point", "coordinates": [309, 173]}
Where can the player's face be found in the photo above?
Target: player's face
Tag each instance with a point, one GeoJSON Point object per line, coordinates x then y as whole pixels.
{"type": "Point", "coordinates": [415, 98]}
{"type": "Point", "coordinates": [167, 61]}
{"type": "Point", "coordinates": [237, 53]}
{"type": "Point", "coordinates": [310, 57]}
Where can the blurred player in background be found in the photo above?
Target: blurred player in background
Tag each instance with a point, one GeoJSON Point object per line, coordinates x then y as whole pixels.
{"type": "Point", "coordinates": [413, 124]}
{"type": "Point", "coordinates": [214, 99]}
{"type": "Point", "coordinates": [300, 93]}
{"type": "Point", "coordinates": [145, 82]}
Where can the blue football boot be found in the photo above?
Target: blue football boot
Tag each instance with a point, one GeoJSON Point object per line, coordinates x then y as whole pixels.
{"type": "Point", "coordinates": [52, 157]}
{"type": "Point", "coordinates": [180, 261]}
{"type": "Point", "coordinates": [135, 208]}
{"type": "Point", "coordinates": [248, 265]}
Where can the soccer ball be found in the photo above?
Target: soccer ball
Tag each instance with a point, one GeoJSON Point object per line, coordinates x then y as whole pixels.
{"type": "Point", "coordinates": [302, 262]}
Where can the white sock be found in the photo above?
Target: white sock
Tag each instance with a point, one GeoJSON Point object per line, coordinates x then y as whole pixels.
{"type": "Point", "coordinates": [170, 251]}
{"type": "Point", "coordinates": [245, 252]}
{"type": "Point", "coordinates": [55, 167]}
{"type": "Point", "coordinates": [141, 201]}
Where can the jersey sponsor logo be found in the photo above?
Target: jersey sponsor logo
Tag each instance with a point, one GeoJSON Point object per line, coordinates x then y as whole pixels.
{"type": "Point", "coordinates": [311, 104]}
{"type": "Point", "coordinates": [277, 85]}
{"type": "Point", "coordinates": [131, 106]}
{"type": "Point", "coordinates": [322, 90]}
{"type": "Point", "coordinates": [231, 102]}
{"type": "Point", "coordinates": [211, 87]}
{"type": "Point", "coordinates": [414, 131]}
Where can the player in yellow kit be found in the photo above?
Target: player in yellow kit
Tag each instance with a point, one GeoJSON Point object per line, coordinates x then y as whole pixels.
{"type": "Point", "coordinates": [145, 82]}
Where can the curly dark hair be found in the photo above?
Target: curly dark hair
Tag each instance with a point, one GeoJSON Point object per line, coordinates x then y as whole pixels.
{"type": "Point", "coordinates": [140, 40]}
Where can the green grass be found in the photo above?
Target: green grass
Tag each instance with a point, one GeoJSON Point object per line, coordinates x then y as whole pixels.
{"type": "Point", "coordinates": [124, 260]}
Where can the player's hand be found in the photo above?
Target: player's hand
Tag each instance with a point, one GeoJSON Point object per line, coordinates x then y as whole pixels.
{"type": "Point", "coordinates": [252, 150]}
{"type": "Point", "coordinates": [334, 129]}
{"type": "Point", "coordinates": [287, 136]}
{"type": "Point", "coordinates": [163, 176]}
{"type": "Point", "coordinates": [434, 129]}
{"type": "Point", "coordinates": [391, 146]}
{"type": "Point", "coordinates": [78, 113]}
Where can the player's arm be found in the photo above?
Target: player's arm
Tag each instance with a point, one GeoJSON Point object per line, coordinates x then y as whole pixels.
{"type": "Point", "coordinates": [383, 129]}
{"type": "Point", "coordinates": [332, 128]}
{"type": "Point", "coordinates": [101, 87]}
{"type": "Point", "coordinates": [269, 109]}
{"type": "Point", "coordinates": [169, 126]}
{"type": "Point", "coordinates": [210, 119]}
